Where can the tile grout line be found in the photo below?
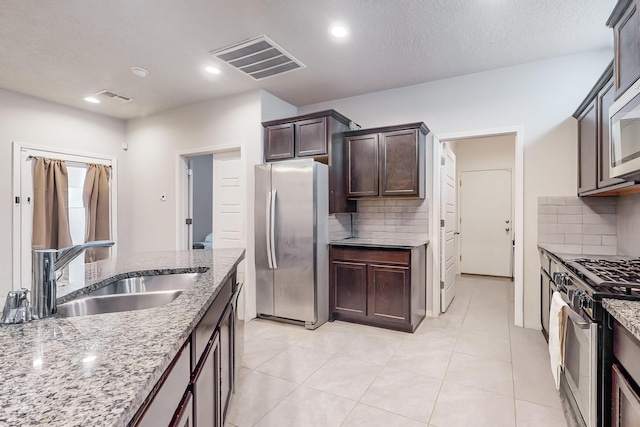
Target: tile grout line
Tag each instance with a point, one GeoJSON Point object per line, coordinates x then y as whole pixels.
{"type": "Point", "coordinates": [433, 410]}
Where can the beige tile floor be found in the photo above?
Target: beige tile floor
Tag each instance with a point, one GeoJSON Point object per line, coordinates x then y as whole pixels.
{"type": "Point", "coordinates": [470, 367]}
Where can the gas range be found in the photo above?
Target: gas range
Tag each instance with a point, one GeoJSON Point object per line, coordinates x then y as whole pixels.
{"type": "Point", "coordinates": [589, 280]}
{"type": "Point", "coordinates": [582, 283]}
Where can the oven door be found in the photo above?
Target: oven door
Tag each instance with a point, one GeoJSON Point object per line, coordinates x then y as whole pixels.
{"type": "Point", "coordinates": [625, 134]}
{"type": "Point", "coordinates": [580, 364]}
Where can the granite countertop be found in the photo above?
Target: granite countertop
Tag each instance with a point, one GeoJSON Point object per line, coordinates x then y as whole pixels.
{"type": "Point", "coordinates": [381, 242]}
{"type": "Point", "coordinates": [625, 312]}
{"type": "Point", "coordinates": [98, 370]}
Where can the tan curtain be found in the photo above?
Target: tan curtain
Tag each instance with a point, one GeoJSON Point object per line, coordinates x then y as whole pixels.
{"type": "Point", "coordinates": [50, 205]}
{"type": "Point", "coordinates": [96, 204]}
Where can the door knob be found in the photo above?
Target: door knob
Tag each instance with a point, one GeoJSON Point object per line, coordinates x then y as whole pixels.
{"type": "Point", "coordinates": [507, 229]}
{"type": "Point", "coordinates": [507, 222]}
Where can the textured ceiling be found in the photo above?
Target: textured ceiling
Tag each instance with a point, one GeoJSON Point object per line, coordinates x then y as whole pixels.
{"type": "Point", "coordinates": [65, 50]}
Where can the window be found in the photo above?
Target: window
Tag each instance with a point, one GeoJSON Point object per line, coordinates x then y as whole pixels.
{"type": "Point", "coordinates": [23, 210]}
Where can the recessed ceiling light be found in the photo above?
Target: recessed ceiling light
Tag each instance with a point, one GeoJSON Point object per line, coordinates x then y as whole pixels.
{"type": "Point", "coordinates": [339, 31]}
{"type": "Point", "coordinates": [92, 99]}
{"type": "Point", "coordinates": [140, 72]}
{"type": "Point", "coordinates": [213, 70]}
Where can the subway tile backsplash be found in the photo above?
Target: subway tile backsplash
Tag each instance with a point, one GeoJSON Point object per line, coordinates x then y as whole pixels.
{"type": "Point", "coordinates": [383, 219]}
{"type": "Point", "coordinates": [392, 219]}
{"type": "Point", "coordinates": [339, 226]}
{"type": "Point", "coordinates": [578, 225]}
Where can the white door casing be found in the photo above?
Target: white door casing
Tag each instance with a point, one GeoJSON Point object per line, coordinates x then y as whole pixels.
{"type": "Point", "coordinates": [518, 208]}
{"type": "Point", "coordinates": [228, 200]}
{"type": "Point", "coordinates": [485, 222]}
{"type": "Point", "coordinates": [448, 248]}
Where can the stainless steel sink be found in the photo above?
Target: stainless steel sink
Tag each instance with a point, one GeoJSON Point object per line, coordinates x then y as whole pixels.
{"type": "Point", "coordinates": [115, 303]}
{"type": "Point", "coordinates": [163, 282]}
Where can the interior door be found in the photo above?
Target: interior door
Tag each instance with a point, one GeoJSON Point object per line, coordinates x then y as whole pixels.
{"type": "Point", "coordinates": [228, 200]}
{"type": "Point", "coordinates": [448, 229]}
{"type": "Point", "coordinates": [485, 222]}
{"type": "Point", "coordinates": [294, 248]}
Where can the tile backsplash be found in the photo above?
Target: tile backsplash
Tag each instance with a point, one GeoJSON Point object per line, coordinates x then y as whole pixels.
{"type": "Point", "coordinates": [339, 226]}
{"type": "Point", "coordinates": [578, 225]}
{"type": "Point", "coordinates": [628, 210]}
{"type": "Point", "coordinates": [392, 219]}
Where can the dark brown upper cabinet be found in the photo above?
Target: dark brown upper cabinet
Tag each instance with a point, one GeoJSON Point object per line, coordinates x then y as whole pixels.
{"type": "Point", "coordinates": [587, 149]}
{"type": "Point", "coordinates": [594, 140]}
{"type": "Point", "coordinates": [625, 22]}
{"type": "Point", "coordinates": [280, 146]}
{"type": "Point", "coordinates": [311, 137]}
{"type": "Point", "coordinates": [320, 136]}
{"type": "Point", "coordinates": [387, 162]}
{"type": "Point", "coordinates": [362, 154]}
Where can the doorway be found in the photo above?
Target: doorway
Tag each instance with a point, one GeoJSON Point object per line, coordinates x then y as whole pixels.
{"type": "Point", "coordinates": [485, 150]}
{"type": "Point", "coordinates": [200, 203]}
{"type": "Point", "coordinates": [211, 198]}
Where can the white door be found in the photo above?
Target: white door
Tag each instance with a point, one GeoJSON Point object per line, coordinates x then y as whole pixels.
{"type": "Point", "coordinates": [228, 200]}
{"type": "Point", "coordinates": [448, 228]}
{"type": "Point", "coordinates": [485, 222]}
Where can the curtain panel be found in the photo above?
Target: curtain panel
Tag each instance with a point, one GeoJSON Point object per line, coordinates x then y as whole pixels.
{"type": "Point", "coordinates": [96, 202]}
{"type": "Point", "coordinates": [50, 205]}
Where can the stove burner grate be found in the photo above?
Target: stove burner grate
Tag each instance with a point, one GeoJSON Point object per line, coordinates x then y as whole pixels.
{"type": "Point", "coordinates": [613, 276]}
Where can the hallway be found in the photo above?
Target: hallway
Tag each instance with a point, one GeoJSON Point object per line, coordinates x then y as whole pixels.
{"type": "Point", "coordinates": [469, 368]}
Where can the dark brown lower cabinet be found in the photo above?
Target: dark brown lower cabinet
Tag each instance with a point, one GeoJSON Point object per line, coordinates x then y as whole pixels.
{"type": "Point", "coordinates": [350, 297]}
{"type": "Point", "coordinates": [389, 291]}
{"type": "Point", "coordinates": [625, 376]}
{"type": "Point", "coordinates": [226, 359]}
{"type": "Point", "coordinates": [206, 386]}
{"type": "Point", "coordinates": [378, 286]}
{"type": "Point", "coordinates": [200, 380]}
{"type": "Point", "coordinates": [625, 402]}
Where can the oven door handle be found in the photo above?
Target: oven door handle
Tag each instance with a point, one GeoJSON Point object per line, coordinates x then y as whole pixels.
{"type": "Point", "coordinates": [576, 319]}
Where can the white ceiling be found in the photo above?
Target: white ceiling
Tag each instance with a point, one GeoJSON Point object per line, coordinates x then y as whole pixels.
{"type": "Point", "coordinates": [65, 50]}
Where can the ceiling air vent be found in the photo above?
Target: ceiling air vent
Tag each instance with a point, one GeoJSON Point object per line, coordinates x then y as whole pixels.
{"type": "Point", "coordinates": [111, 96]}
{"type": "Point", "coordinates": [259, 58]}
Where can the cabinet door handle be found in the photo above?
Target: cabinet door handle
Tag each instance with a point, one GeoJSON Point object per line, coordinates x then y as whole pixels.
{"type": "Point", "coordinates": [274, 261]}
{"type": "Point", "coordinates": [268, 230]}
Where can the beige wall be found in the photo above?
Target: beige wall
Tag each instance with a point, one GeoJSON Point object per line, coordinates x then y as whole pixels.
{"type": "Point", "coordinates": [153, 145]}
{"type": "Point", "coordinates": [36, 122]}
{"type": "Point", "coordinates": [539, 96]}
{"type": "Point", "coordinates": [495, 152]}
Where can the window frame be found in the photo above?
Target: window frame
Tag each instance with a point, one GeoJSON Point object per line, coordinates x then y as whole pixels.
{"type": "Point", "coordinates": [72, 156]}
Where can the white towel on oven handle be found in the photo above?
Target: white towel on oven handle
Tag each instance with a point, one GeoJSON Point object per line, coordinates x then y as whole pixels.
{"type": "Point", "coordinates": [557, 326]}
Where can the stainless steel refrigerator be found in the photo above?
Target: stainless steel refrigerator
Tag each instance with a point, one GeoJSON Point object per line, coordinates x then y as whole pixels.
{"type": "Point", "coordinates": [291, 241]}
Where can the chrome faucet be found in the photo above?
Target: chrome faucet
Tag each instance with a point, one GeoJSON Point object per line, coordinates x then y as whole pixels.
{"type": "Point", "coordinates": [46, 266]}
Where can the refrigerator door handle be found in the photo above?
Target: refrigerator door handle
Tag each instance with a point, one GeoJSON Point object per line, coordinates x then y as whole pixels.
{"type": "Point", "coordinates": [268, 233]}
{"type": "Point", "coordinates": [272, 216]}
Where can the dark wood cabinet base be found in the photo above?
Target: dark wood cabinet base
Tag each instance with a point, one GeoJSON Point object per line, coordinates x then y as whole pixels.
{"type": "Point", "coordinates": [383, 287]}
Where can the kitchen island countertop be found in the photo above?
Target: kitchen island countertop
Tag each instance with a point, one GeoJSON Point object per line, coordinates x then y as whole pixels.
{"type": "Point", "coordinates": [384, 242]}
{"type": "Point", "coordinates": [98, 370]}
{"type": "Point", "coordinates": [625, 312]}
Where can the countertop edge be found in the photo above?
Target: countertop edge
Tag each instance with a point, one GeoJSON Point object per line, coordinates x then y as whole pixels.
{"type": "Point", "coordinates": [626, 312]}
{"type": "Point", "coordinates": [398, 244]}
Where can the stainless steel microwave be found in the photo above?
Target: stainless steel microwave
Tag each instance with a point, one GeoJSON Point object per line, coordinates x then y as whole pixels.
{"type": "Point", "coordinates": [624, 115]}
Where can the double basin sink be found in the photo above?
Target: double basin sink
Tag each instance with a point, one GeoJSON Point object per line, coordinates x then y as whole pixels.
{"type": "Point", "coordinates": [133, 293]}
